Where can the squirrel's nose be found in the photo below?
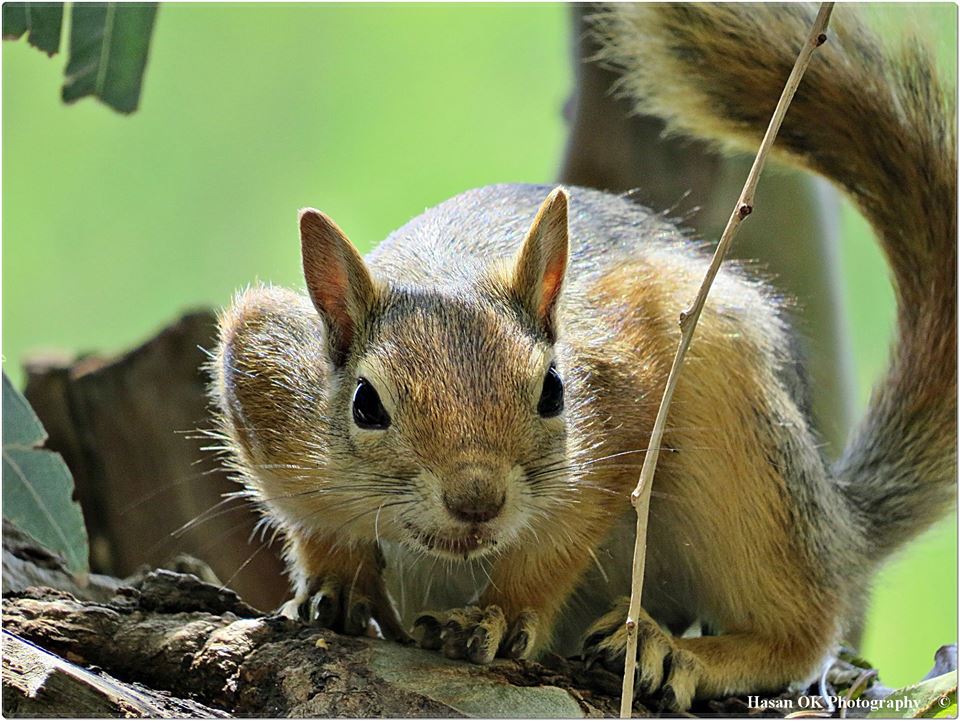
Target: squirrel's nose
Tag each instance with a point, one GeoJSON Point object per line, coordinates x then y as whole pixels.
{"type": "Point", "coordinates": [474, 510]}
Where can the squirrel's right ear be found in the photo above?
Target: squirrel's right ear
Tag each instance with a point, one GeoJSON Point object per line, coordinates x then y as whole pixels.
{"type": "Point", "coordinates": [337, 279]}
{"type": "Point", "coordinates": [542, 263]}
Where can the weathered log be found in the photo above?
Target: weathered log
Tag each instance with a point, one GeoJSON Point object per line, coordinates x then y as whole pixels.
{"type": "Point", "coordinates": [241, 662]}
{"type": "Point", "coordinates": [26, 563]}
{"type": "Point", "coordinates": [175, 638]}
{"type": "Point", "coordinates": [130, 429]}
{"type": "Point", "coordinates": [170, 644]}
{"type": "Point", "coordinates": [38, 683]}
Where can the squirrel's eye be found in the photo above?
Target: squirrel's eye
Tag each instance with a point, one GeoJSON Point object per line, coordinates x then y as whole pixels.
{"type": "Point", "coordinates": [551, 397]}
{"type": "Point", "coordinates": [368, 410]}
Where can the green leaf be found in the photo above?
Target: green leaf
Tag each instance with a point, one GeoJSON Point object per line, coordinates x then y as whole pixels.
{"type": "Point", "coordinates": [934, 698]}
{"type": "Point", "coordinates": [42, 20]}
{"type": "Point", "coordinates": [21, 427]}
{"type": "Point", "coordinates": [109, 43]}
{"type": "Point", "coordinates": [37, 485]}
{"type": "Point", "coordinates": [15, 21]}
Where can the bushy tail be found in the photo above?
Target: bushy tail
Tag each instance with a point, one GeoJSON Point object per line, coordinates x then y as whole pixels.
{"type": "Point", "coordinates": [879, 124]}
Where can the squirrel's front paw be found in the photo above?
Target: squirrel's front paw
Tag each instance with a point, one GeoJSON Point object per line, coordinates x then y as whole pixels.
{"type": "Point", "coordinates": [663, 670]}
{"type": "Point", "coordinates": [330, 604]}
{"type": "Point", "coordinates": [477, 634]}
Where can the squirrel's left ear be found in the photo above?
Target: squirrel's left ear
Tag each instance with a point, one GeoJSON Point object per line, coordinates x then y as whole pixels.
{"type": "Point", "coordinates": [542, 263]}
{"type": "Point", "coordinates": [337, 279]}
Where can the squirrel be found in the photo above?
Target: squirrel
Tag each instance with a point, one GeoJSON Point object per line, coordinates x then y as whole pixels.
{"type": "Point", "coordinates": [478, 392]}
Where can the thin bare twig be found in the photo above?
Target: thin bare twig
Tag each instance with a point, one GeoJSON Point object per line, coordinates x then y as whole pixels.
{"type": "Point", "coordinates": [640, 498]}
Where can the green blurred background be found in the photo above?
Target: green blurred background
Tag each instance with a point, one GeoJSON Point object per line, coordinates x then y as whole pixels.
{"type": "Point", "coordinates": [114, 225]}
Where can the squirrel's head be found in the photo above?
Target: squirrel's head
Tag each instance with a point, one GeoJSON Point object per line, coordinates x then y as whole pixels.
{"type": "Point", "coordinates": [449, 402]}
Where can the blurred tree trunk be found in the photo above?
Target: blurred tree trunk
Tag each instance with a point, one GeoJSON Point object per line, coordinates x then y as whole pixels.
{"type": "Point", "coordinates": [131, 429]}
{"type": "Point", "coordinates": [793, 232]}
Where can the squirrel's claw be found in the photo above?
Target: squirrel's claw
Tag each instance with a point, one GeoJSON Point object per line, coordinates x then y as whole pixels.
{"type": "Point", "coordinates": [476, 634]}
{"type": "Point", "coordinates": [322, 608]}
{"type": "Point", "coordinates": [357, 617]}
{"type": "Point", "coordinates": [428, 629]}
{"type": "Point", "coordinates": [353, 613]}
{"type": "Point", "coordinates": [522, 636]}
{"type": "Point", "coordinates": [665, 672]}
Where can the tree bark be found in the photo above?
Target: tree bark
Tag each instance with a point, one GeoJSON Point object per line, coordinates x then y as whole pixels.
{"type": "Point", "coordinates": [182, 637]}
{"type": "Point", "coordinates": [39, 683]}
{"type": "Point", "coordinates": [132, 431]}
{"type": "Point", "coordinates": [167, 644]}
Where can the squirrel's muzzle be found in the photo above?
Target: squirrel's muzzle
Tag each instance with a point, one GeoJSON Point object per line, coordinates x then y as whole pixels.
{"type": "Point", "coordinates": [474, 496]}
{"type": "Point", "coordinates": [474, 510]}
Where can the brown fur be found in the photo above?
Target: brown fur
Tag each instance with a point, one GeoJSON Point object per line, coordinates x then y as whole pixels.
{"type": "Point", "coordinates": [751, 535]}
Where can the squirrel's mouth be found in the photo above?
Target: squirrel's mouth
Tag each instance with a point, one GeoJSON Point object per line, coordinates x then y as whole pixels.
{"type": "Point", "coordinates": [474, 541]}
